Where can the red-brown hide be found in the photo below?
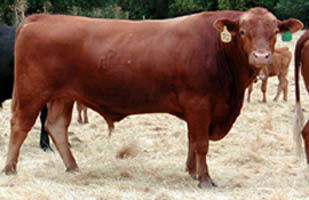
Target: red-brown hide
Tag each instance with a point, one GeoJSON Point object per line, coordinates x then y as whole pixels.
{"type": "Point", "coordinates": [118, 68]}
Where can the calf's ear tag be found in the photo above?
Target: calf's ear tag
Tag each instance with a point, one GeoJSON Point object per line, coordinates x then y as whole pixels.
{"type": "Point", "coordinates": [286, 36]}
{"type": "Point", "coordinates": [225, 35]}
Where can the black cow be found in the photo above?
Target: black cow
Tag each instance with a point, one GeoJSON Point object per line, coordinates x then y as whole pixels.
{"type": "Point", "coordinates": [7, 34]}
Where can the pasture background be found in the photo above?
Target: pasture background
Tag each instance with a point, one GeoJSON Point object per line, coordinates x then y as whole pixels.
{"type": "Point", "coordinates": [12, 11]}
{"type": "Point", "coordinates": [145, 157]}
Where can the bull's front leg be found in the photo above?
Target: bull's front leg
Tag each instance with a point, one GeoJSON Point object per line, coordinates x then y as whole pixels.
{"type": "Point", "coordinates": [198, 130]}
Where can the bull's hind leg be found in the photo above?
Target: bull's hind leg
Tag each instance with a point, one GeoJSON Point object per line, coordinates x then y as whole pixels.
{"type": "Point", "coordinates": [58, 120]}
{"type": "Point", "coordinates": [22, 121]}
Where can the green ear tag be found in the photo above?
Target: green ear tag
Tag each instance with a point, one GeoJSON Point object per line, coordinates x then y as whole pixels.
{"type": "Point", "coordinates": [286, 36]}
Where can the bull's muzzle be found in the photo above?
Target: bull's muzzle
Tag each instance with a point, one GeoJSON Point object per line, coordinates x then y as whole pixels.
{"type": "Point", "coordinates": [260, 58]}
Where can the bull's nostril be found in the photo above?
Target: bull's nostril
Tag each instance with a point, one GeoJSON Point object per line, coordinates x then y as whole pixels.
{"type": "Point", "coordinates": [261, 55]}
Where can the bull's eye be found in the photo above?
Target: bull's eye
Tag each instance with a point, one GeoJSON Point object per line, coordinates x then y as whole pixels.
{"type": "Point", "coordinates": [242, 33]}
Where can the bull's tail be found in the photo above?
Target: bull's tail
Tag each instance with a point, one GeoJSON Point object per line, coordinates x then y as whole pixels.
{"type": "Point", "coordinates": [299, 116]}
{"type": "Point", "coordinates": [298, 125]}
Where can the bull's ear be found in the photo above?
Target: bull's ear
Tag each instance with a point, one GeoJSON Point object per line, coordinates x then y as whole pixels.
{"type": "Point", "coordinates": [232, 26]}
{"type": "Point", "coordinates": [291, 25]}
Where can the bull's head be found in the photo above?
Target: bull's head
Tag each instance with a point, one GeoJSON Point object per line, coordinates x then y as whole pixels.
{"type": "Point", "coordinates": [256, 31]}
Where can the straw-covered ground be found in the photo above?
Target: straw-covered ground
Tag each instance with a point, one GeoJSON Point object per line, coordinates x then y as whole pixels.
{"type": "Point", "coordinates": [145, 157]}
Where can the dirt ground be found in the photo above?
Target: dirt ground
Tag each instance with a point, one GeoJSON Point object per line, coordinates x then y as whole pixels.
{"type": "Point", "coordinates": [145, 157]}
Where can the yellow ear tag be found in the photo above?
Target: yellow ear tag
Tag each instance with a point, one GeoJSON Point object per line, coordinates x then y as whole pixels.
{"type": "Point", "coordinates": [225, 35]}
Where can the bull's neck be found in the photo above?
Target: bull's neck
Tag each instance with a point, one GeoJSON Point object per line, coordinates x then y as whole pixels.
{"type": "Point", "coordinates": [237, 63]}
{"type": "Point", "coordinates": [239, 73]}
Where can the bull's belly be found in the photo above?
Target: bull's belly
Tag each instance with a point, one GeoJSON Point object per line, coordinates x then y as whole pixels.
{"type": "Point", "coordinates": [123, 104]}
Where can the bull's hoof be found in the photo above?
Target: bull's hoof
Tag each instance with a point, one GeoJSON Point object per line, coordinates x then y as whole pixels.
{"type": "Point", "coordinates": [10, 169]}
{"type": "Point", "coordinates": [206, 184]}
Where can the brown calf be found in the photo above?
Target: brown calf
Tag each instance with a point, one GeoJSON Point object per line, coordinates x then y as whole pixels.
{"type": "Point", "coordinates": [120, 67]}
{"type": "Point", "coordinates": [280, 67]}
{"type": "Point", "coordinates": [81, 109]}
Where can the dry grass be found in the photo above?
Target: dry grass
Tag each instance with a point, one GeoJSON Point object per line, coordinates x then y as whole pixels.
{"type": "Point", "coordinates": [145, 158]}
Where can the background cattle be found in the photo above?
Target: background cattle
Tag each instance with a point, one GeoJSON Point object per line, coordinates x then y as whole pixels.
{"type": "Point", "coordinates": [81, 109]}
{"type": "Point", "coordinates": [7, 34]}
{"type": "Point", "coordinates": [143, 67]}
{"type": "Point", "coordinates": [279, 67]}
{"type": "Point", "coordinates": [301, 61]}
